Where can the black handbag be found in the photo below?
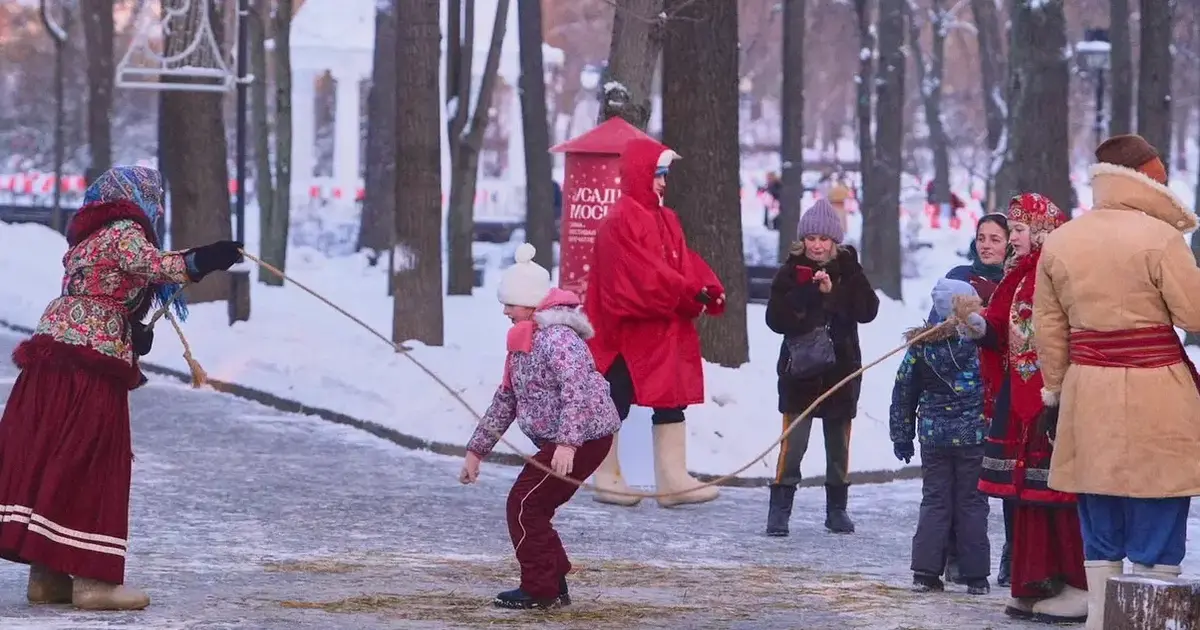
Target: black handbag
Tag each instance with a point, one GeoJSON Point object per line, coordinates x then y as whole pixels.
{"type": "Point", "coordinates": [810, 354]}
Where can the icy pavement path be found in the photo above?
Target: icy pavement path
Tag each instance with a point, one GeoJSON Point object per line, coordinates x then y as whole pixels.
{"type": "Point", "coordinates": [247, 518]}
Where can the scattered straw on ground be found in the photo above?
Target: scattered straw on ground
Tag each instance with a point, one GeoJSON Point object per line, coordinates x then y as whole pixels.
{"type": "Point", "coordinates": [312, 566]}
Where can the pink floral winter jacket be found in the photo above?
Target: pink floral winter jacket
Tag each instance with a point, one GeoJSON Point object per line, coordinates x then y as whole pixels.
{"type": "Point", "coordinates": [554, 391]}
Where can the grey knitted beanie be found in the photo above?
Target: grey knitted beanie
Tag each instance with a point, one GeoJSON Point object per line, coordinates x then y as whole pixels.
{"type": "Point", "coordinates": [821, 219]}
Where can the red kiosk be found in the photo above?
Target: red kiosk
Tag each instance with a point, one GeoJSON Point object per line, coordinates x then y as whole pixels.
{"type": "Point", "coordinates": [592, 184]}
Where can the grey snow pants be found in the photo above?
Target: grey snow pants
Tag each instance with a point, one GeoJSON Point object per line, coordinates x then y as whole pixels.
{"type": "Point", "coordinates": [951, 501]}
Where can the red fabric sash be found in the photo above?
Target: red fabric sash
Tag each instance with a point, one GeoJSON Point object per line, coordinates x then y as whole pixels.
{"type": "Point", "coordinates": [1135, 348]}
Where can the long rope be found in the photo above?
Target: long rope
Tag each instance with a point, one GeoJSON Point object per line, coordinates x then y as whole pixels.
{"type": "Point", "coordinates": [581, 484]}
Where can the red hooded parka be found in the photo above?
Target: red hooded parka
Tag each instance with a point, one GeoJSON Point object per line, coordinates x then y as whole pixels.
{"type": "Point", "coordinates": [642, 290]}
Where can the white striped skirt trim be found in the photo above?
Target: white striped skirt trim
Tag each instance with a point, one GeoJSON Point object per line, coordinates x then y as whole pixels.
{"type": "Point", "coordinates": [38, 524]}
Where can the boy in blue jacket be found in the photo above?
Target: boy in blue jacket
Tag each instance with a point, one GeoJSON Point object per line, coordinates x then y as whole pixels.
{"type": "Point", "coordinates": [938, 396]}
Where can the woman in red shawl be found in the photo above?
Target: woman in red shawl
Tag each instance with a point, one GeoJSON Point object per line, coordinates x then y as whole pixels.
{"type": "Point", "coordinates": [65, 449]}
{"type": "Point", "coordinates": [1048, 581]}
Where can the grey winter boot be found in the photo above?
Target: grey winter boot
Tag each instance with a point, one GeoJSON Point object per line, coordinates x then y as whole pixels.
{"type": "Point", "coordinates": [836, 518]}
{"type": "Point", "coordinates": [780, 510]}
{"type": "Point", "coordinates": [47, 586]}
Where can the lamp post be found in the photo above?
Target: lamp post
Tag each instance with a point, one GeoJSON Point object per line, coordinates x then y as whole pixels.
{"type": "Point", "coordinates": [1093, 57]}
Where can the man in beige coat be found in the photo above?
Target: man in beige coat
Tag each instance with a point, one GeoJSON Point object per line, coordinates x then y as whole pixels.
{"type": "Point", "coordinates": [1112, 285]}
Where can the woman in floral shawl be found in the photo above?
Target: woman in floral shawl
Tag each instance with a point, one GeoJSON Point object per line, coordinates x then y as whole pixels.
{"type": "Point", "coordinates": [1048, 581]}
{"type": "Point", "coordinates": [65, 448]}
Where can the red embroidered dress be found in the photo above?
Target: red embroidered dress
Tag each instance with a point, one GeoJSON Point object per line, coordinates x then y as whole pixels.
{"type": "Point", "coordinates": [65, 448]}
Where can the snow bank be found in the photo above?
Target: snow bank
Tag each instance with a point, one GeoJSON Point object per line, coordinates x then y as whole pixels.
{"type": "Point", "coordinates": [298, 348]}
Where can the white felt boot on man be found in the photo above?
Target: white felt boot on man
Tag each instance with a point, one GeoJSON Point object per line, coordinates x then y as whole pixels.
{"type": "Point", "coordinates": [1069, 606]}
{"type": "Point", "coordinates": [1098, 572]}
{"type": "Point", "coordinates": [608, 480]}
{"type": "Point", "coordinates": [1160, 571]}
{"type": "Point", "coordinates": [670, 468]}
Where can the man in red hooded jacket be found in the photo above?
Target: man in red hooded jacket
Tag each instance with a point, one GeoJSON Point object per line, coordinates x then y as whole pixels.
{"type": "Point", "coordinates": [645, 291]}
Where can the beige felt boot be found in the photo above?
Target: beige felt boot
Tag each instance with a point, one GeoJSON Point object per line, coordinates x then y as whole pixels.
{"type": "Point", "coordinates": [608, 479]}
{"type": "Point", "coordinates": [670, 467]}
{"type": "Point", "coordinates": [47, 586]}
{"type": "Point", "coordinates": [97, 595]}
{"type": "Point", "coordinates": [1069, 606]}
{"type": "Point", "coordinates": [1098, 573]}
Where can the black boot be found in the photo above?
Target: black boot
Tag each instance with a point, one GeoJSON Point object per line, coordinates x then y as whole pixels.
{"type": "Point", "coordinates": [518, 599]}
{"type": "Point", "coordinates": [1004, 575]}
{"type": "Point", "coordinates": [564, 593]}
{"type": "Point", "coordinates": [780, 510]}
{"type": "Point", "coordinates": [836, 518]}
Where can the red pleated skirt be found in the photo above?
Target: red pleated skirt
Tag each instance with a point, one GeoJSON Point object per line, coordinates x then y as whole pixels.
{"type": "Point", "coordinates": [65, 468]}
{"type": "Point", "coordinates": [1047, 547]}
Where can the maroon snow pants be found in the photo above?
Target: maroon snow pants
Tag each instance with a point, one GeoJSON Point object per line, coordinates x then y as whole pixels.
{"type": "Point", "coordinates": [531, 504]}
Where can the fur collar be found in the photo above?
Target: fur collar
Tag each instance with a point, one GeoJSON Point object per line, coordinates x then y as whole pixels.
{"type": "Point", "coordinates": [1119, 188]}
{"type": "Point", "coordinates": [93, 217]}
{"type": "Point", "coordinates": [948, 332]}
{"type": "Point", "coordinates": [572, 318]}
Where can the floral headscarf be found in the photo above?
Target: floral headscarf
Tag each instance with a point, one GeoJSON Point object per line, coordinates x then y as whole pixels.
{"type": "Point", "coordinates": [1039, 213]}
{"type": "Point", "coordinates": [143, 186]}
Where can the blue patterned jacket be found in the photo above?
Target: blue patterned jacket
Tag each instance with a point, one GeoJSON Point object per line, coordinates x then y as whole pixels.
{"type": "Point", "coordinates": [938, 395]}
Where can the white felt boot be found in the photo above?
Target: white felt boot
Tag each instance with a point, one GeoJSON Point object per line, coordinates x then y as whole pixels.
{"type": "Point", "coordinates": [1160, 571]}
{"type": "Point", "coordinates": [670, 467]}
{"type": "Point", "coordinates": [47, 586]}
{"type": "Point", "coordinates": [608, 479]}
{"type": "Point", "coordinates": [1098, 572]}
{"type": "Point", "coordinates": [97, 595]}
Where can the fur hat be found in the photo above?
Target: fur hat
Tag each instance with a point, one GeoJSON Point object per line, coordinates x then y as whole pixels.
{"type": "Point", "coordinates": [821, 219]}
{"type": "Point", "coordinates": [838, 194]}
{"type": "Point", "coordinates": [526, 283]}
{"type": "Point", "coordinates": [1128, 150]}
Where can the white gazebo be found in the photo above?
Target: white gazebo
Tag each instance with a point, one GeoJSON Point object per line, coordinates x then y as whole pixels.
{"type": "Point", "coordinates": [338, 36]}
{"type": "Point", "coordinates": [335, 36]}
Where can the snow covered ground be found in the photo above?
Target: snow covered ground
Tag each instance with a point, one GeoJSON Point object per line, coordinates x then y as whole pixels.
{"type": "Point", "coordinates": [295, 347]}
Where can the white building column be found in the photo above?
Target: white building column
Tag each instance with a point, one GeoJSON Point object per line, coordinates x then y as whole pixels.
{"type": "Point", "coordinates": [346, 129]}
{"type": "Point", "coordinates": [304, 126]}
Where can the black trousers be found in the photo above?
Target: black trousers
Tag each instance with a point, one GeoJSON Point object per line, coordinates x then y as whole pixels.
{"type": "Point", "coordinates": [620, 384]}
{"type": "Point", "coordinates": [951, 503]}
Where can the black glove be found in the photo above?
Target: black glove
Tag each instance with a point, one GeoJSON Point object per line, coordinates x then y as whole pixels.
{"type": "Point", "coordinates": [1048, 421]}
{"type": "Point", "coordinates": [218, 256]}
{"type": "Point", "coordinates": [703, 297]}
{"type": "Point", "coordinates": [143, 338]}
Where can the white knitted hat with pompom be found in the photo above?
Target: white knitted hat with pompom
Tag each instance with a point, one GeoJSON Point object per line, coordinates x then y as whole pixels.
{"type": "Point", "coordinates": [526, 283]}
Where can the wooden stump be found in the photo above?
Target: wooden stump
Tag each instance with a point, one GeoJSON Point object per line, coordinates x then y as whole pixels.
{"type": "Point", "coordinates": [1137, 602]}
{"type": "Point", "coordinates": [239, 296]}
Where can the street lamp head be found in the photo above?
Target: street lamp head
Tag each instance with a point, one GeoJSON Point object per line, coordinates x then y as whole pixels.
{"type": "Point", "coordinates": [1093, 53]}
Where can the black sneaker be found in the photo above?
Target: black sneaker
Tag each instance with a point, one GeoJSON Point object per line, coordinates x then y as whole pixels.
{"type": "Point", "coordinates": [923, 583]}
{"type": "Point", "coordinates": [978, 586]}
{"type": "Point", "coordinates": [518, 599]}
{"type": "Point", "coordinates": [564, 593]}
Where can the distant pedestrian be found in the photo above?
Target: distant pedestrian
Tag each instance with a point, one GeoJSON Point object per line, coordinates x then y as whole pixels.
{"type": "Point", "coordinates": [552, 389]}
{"type": "Point", "coordinates": [938, 397]}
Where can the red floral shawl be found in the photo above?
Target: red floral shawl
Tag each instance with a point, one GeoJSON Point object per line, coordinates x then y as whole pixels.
{"type": "Point", "coordinates": [1011, 307]}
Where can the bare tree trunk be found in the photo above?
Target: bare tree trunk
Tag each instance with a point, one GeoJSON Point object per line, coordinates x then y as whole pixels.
{"type": "Point", "coordinates": [375, 230]}
{"type": "Point", "coordinates": [700, 121]}
{"type": "Point", "coordinates": [58, 29]}
{"type": "Point", "coordinates": [1040, 82]}
{"type": "Point", "coordinates": [1193, 339]}
{"type": "Point", "coordinates": [991, 74]}
{"type": "Point", "coordinates": [194, 153]}
{"type": "Point", "coordinates": [98, 36]}
{"type": "Point", "coordinates": [881, 235]}
{"type": "Point", "coordinates": [465, 170]}
{"type": "Point", "coordinates": [460, 51]}
{"type": "Point", "coordinates": [863, 109]}
{"type": "Point", "coordinates": [1154, 75]}
{"type": "Point", "coordinates": [264, 187]}
{"type": "Point", "coordinates": [539, 187]}
{"type": "Point", "coordinates": [417, 302]}
{"type": "Point", "coordinates": [929, 82]}
{"type": "Point", "coordinates": [281, 203]}
{"type": "Point", "coordinates": [795, 22]}
{"type": "Point", "coordinates": [1121, 117]}
{"type": "Point", "coordinates": [637, 41]}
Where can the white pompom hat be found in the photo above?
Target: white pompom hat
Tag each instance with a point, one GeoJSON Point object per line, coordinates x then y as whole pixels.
{"type": "Point", "coordinates": [526, 283]}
